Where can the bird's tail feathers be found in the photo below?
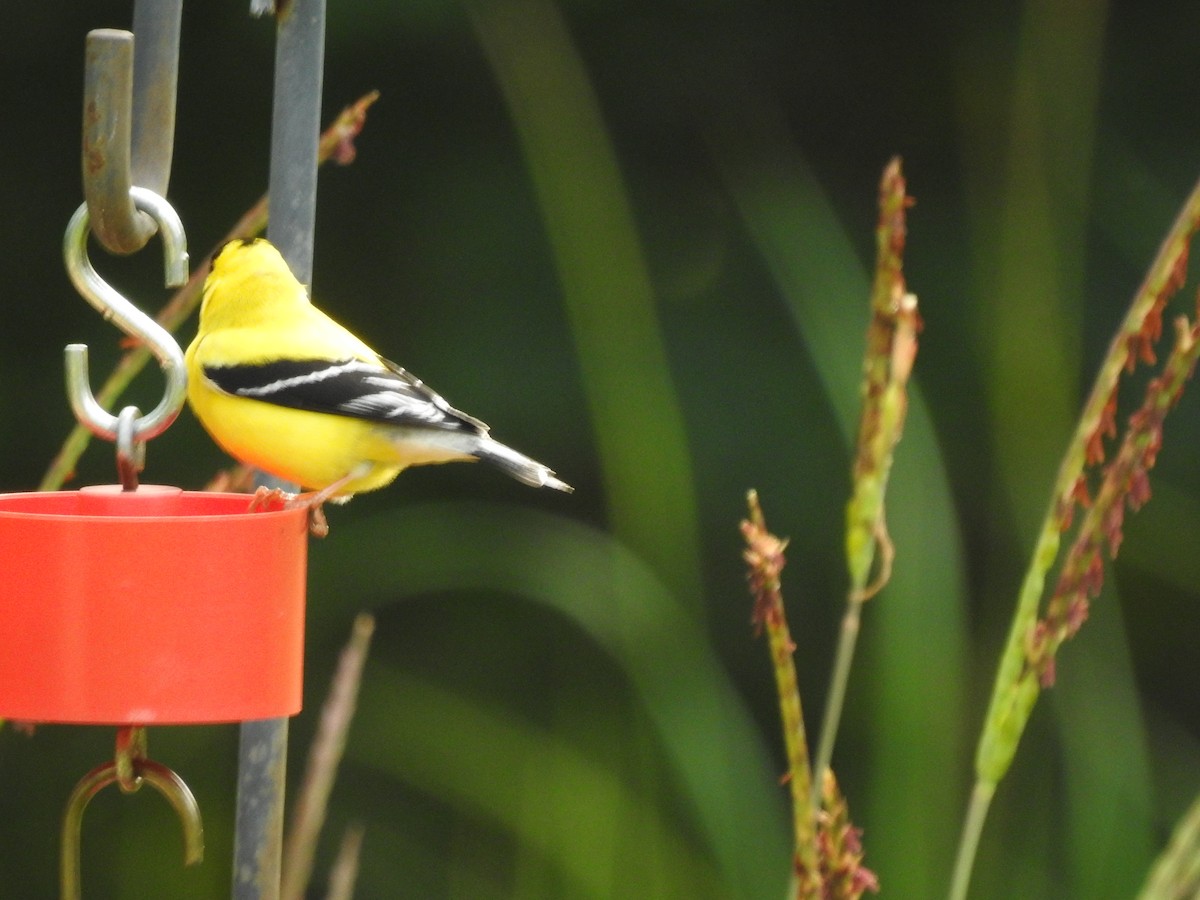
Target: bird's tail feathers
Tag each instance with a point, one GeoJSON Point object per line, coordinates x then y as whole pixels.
{"type": "Point", "coordinates": [518, 465]}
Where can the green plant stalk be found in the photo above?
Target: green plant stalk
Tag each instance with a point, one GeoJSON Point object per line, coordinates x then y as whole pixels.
{"type": "Point", "coordinates": [977, 810]}
{"type": "Point", "coordinates": [1017, 683]}
{"type": "Point", "coordinates": [337, 143]}
{"type": "Point", "coordinates": [792, 717]}
{"type": "Point", "coordinates": [1176, 872]}
{"type": "Point", "coordinates": [891, 349]}
{"type": "Point", "coordinates": [867, 502]}
{"type": "Point", "coordinates": [1016, 687]}
{"type": "Point", "coordinates": [764, 556]}
{"type": "Point", "coordinates": [836, 699]}
{"type": "Point", "coordinates": [1126, 483]}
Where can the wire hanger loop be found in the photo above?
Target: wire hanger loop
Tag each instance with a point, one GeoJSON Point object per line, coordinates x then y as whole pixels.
{"type": "Point", "coordinates": [130, 769]}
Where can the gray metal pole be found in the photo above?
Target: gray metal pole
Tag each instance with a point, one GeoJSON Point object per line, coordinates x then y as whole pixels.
{"type": "Point", "coordinates": [258, 838]}
{"type": "Point", "coordinates": [295, 128]}
{"type": "Point", "coordinates": [295, 131]}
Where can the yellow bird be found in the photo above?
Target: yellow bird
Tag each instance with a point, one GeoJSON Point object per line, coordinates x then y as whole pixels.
{"type": "Point", "coordinates": [284, 388]}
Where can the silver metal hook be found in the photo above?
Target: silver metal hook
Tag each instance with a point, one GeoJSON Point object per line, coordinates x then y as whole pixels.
{"type": "Point", "coordinates": [129, 120]}
{"type": "Point", "coordinates": [129, 319]}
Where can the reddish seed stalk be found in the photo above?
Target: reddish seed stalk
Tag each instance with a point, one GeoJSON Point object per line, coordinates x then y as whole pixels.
{"type": "Point", "coordinates": [765, 561]}
{"type": "Point", "coordinates": [827, 855]}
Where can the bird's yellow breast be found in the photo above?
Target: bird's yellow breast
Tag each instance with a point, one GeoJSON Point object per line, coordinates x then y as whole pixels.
{"type": "Point", "coordinates": [308, 448]}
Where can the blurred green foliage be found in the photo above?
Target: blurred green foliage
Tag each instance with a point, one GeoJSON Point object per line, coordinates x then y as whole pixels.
{"type": "Point", "coordinates": [634, 237]}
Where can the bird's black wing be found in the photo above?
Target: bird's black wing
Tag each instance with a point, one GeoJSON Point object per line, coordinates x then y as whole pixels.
{"type": "Point", "coordinates": [347, 387]}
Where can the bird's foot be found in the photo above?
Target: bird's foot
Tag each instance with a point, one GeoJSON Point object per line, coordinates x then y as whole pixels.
{"type": "Point", "coordinates": [265, 498]}
{"type": "Point", "coordinates": [317, 525]}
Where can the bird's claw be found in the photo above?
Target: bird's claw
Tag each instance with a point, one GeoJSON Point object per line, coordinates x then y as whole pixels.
{"type": "Point", "coordinates": [266, 498]}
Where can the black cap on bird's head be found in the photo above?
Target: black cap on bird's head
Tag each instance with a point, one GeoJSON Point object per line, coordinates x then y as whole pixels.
{"type": "Point", "coordinates": [246, 269]}
{"type": "Point", "coordinates": [236, 242]}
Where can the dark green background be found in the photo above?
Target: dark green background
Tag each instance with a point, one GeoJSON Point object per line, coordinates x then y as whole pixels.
{"type": "Point", "coordinates": [639, 249]}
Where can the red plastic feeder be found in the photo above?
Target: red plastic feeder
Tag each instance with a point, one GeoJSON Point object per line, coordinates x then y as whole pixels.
{"type": "Point", "coordinates": [156, 606]}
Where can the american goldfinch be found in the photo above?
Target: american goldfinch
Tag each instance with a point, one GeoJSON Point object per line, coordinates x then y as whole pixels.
{"type": "Point", "coordinates": [286, 389]}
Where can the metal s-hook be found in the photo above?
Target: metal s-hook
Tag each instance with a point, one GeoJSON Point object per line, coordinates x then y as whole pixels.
{"type": "Point", "coordinates": [129, 120]}
{"type": "Point", "coordinates": [130, 769]}
{"type": "Point", "coordinates": [129, 319]}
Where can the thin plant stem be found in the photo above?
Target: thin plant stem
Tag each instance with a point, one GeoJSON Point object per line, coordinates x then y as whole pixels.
{"type": "Point", "coordinates": [1176, 872]}
{"type": "Point", "coordinates": [323, 761]}
{"type": "Point", "coordinates": [344, 872]}
{"type": "Point", "coordinates": [765, 560]}
{"type": "Point", "coordinates": [977, 810]}
{"type": "Point", "coordinates": [891, 351]}
{"type": "Point", "coordinates": [843, 658]}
